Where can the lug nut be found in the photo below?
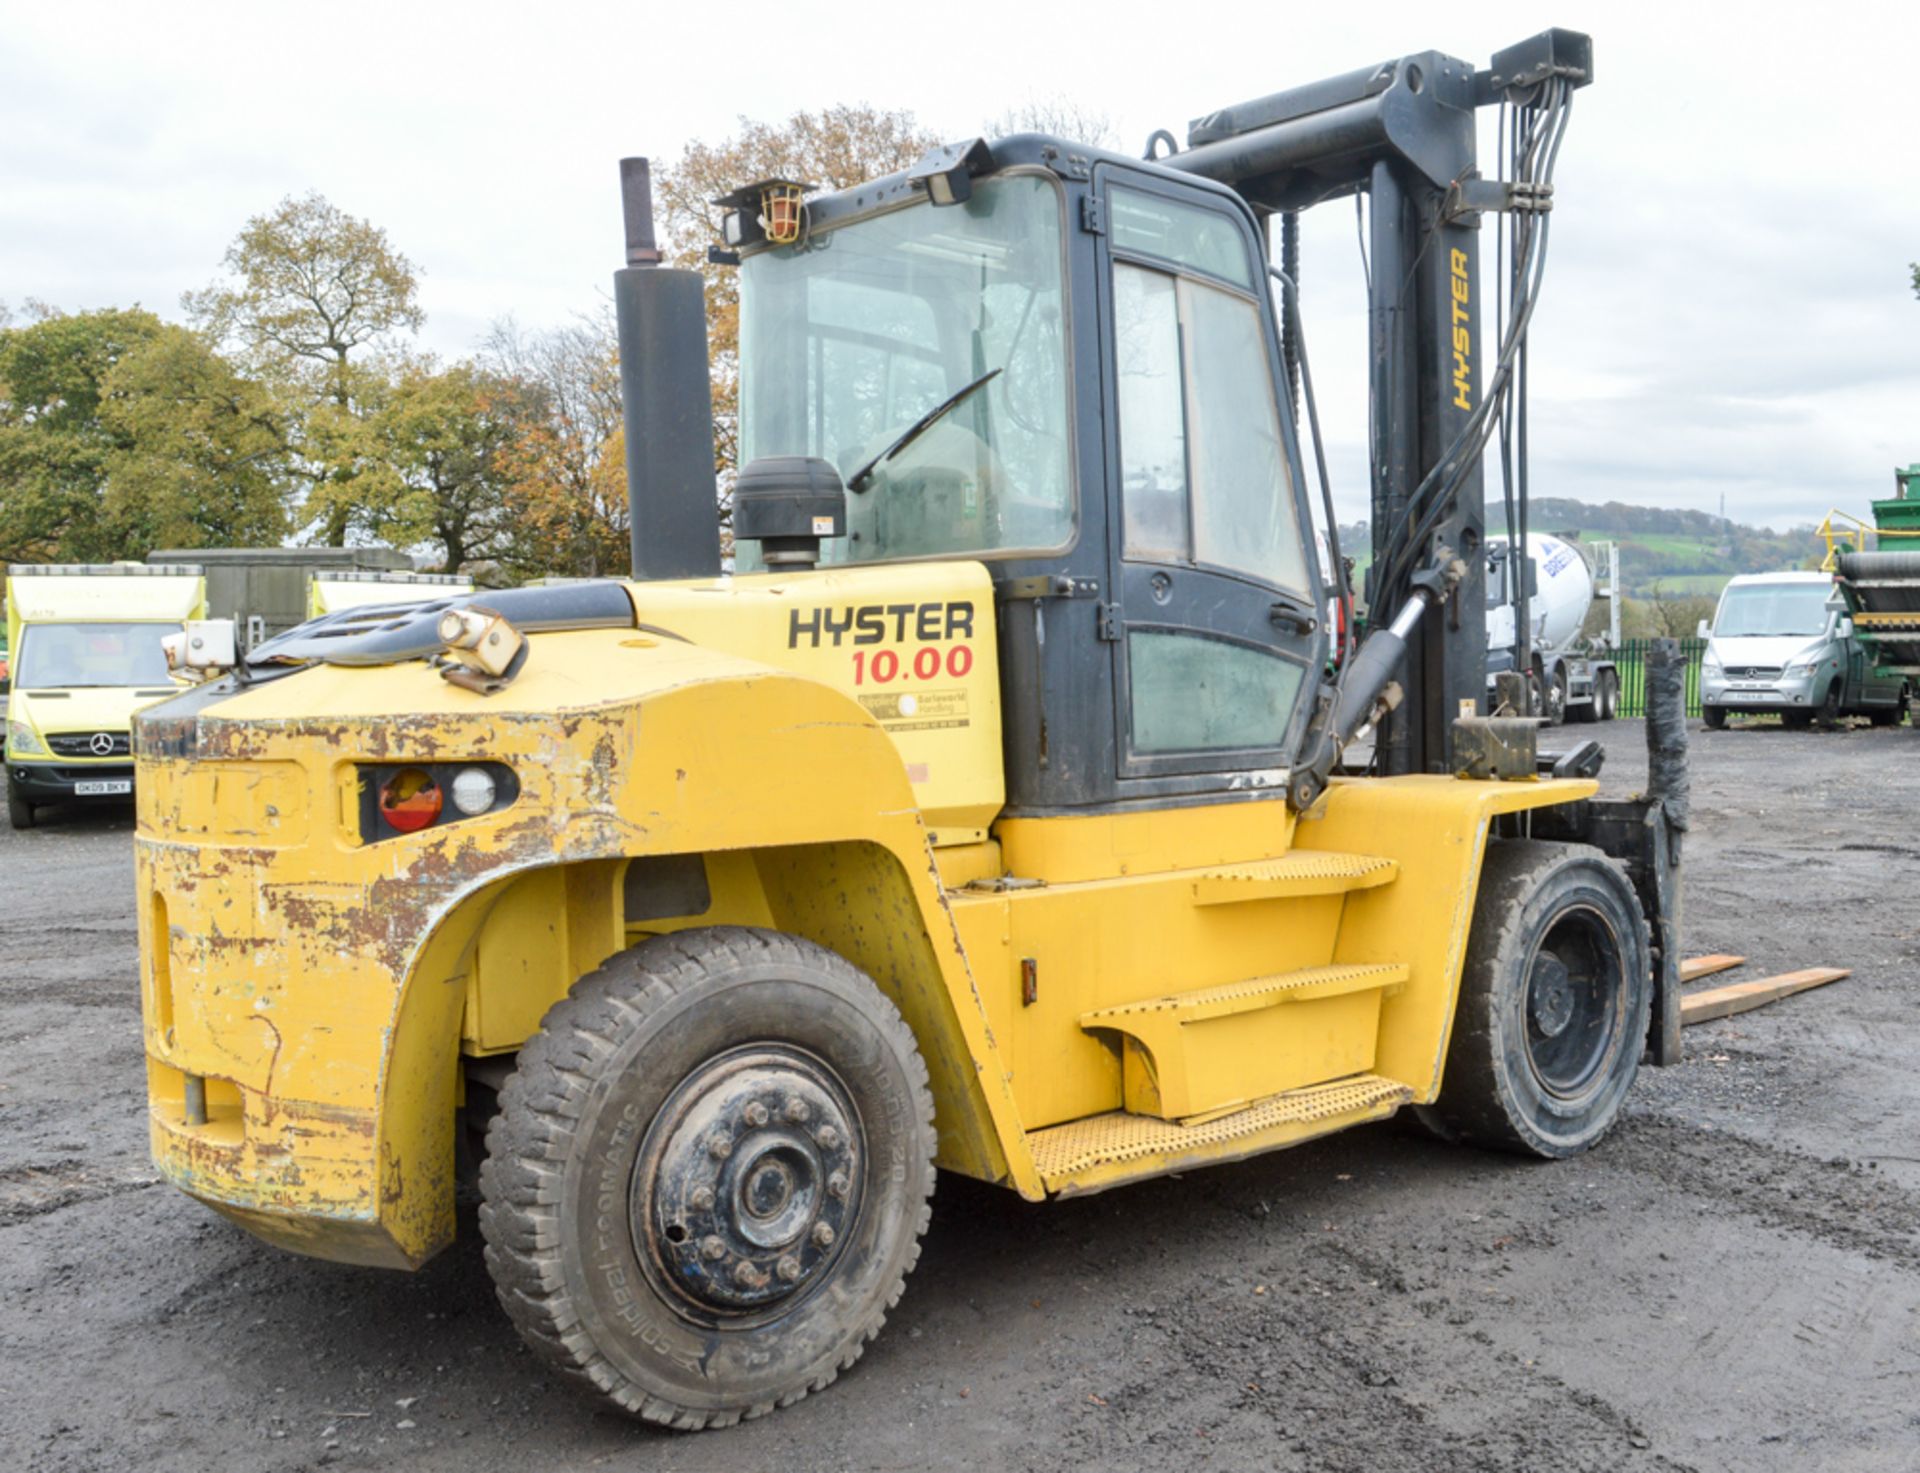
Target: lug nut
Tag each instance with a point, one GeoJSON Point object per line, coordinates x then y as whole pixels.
{"type": "Point", "coordinates": [837, 1184]}
{"type": "Point", "coordinates": [701, 1199]}
{"type": "Point", "coordinates": [823, 1231]}
{"type": "Point", "coordinates": [719, 1146]}
{"type": "Point", "coordinates": [756, 1113]}
{"type": "Point", "coordinates": [797, 1110]}
{"type": "Point", "coordinates": [789, 1268]}
{"type": "Point", "coordinates": [827, 1137]}
{"type": "Point", "coordinates": [747, 1275]}
{"type": "Point", "coordinates": [712, 1249]}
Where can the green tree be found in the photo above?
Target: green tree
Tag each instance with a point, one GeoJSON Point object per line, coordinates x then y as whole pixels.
{"type": "Point", "coordinates": [443, 444]}
{"type": "Point", "coordinates": [119, 432]}
{"type": "Point", "coordinates": [200, 451]}
{"type": "Point", "coordinates": [319, 304]}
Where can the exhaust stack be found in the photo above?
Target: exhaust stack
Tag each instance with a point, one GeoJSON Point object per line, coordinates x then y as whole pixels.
{"type": "Point", "coordinates": [666, 400]}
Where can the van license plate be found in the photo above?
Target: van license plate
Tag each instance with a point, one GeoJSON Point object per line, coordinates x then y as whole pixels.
{"type": "Point", "coordinates": [106, 789]}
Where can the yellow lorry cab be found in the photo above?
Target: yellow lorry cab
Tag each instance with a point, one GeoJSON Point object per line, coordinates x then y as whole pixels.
{"type": "Point", "coordinates": [329, 592]}
{"type": "Point", "coordinates": [85, 645]}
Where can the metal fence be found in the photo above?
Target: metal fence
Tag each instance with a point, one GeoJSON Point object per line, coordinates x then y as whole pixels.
{"type": "Point", "coordinates": [1631, 660]}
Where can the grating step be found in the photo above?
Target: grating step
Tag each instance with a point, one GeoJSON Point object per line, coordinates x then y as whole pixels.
{"type": "Point", "coordinates": [1243, 997]}
{"type": "Point", "coordinates": [1303, 872]}
{"type": "Point", "coordinates": [1102, 1150]}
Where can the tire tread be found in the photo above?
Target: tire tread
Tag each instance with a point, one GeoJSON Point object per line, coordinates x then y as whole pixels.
{"type": "Point", "coordinates": [545, 1098]}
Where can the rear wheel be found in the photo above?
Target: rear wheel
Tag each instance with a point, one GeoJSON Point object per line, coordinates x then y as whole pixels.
{"type": "Point", "coordinates": [709, 1175]}
{"type": "Point", "coordinates": [1891, 715]}
{"type": "Point", "coordinates": [19, 810]}
{"type": "Point", "coordinates": [1554, 1003]}
{"type": "Point", "coordinates": [1607, 695]}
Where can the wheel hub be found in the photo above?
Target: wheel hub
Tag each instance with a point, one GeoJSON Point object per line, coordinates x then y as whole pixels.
{"type": "Point", "coordinates": [1550, 997]}
{"type": "Point", "coordinates": [748, 1180]}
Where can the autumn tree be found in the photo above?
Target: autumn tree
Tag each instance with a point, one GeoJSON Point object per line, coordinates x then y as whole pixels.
{"type": "Point", "coordinates": [319, 304]}
{"type": "Point", "coordinates": [834, 148]}
{"type": "Point", "coordinates": [565, 464]}
{"type": "Point", "coordinates": [1059, 117]}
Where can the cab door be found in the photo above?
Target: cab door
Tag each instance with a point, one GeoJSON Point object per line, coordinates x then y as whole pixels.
{"type": "Point", "coordinates": [1218, 637]}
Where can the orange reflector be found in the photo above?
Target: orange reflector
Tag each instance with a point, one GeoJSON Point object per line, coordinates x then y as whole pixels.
{"type": "Point", "coordinates": [410, 800]}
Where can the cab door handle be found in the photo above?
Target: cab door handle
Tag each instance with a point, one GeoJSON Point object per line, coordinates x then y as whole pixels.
{"type": "Point", "coordinates": [1286, 615]}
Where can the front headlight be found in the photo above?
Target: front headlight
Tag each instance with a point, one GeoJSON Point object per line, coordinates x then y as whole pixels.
{"type": "Point", "coordinates": [24, 741]}
{"type": "Point", "coordinates": [1710, 666]}
{"type": "Point", "coordinates": [1802, 667]}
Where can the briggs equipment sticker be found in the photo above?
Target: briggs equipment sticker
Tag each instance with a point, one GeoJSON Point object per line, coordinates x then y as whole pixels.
{"type": "Point", "coordinates": [926, 710]}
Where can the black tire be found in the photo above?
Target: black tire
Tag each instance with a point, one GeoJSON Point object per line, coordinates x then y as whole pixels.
{"type": "Point", "coordinates": [1796, 720]}
{"type": "Point", "coordinates": [1536, 694]}
{"type": "Point", "coordinates": [19, 810]}
{"type": "Point", "coordinates": [1891, 715]}
{"type": "Point", "coordinates": [1607, 695]}
{"type": "Point", "coordinates": [686, 1058]}
{"type": "Point", "coordinates": [1830, 712]}
{"type": "Point", "coordinates": [1556, 712]}
{"type": "Point", "coordinates": [1715, 717]}
{"type": "Point", "coordinates": [1554, 1003]}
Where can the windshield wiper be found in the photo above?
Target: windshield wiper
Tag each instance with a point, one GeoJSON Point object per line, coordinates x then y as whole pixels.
{"type": "Point", "coordinates": [858, 480]}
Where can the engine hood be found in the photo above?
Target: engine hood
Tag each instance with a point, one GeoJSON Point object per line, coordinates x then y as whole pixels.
{"type": "Point", "coordinates": [1764, 649]}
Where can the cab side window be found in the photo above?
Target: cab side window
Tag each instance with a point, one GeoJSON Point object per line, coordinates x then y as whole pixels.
{"type": "Point", "coordinates": [1203, 466]}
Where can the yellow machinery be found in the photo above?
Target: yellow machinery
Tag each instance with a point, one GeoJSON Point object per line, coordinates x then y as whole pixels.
{"type": "Point", "coordinates": [990, 814]}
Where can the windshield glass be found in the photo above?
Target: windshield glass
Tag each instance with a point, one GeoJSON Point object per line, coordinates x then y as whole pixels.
{"type": "Point", "coordinates": [850, 337]}
{"type": "Point", "coordinates": [1773, 608]}
{"type": "Point", "coordinates": [53, 656]}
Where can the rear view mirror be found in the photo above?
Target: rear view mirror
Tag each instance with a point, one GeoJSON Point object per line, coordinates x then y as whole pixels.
{"type": "Point", "coordinates": [1845, 628]}
{"type": "Point", "coordinates": [1704, 631]}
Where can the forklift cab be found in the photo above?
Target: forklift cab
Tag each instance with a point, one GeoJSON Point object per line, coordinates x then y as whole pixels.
{"type": "Point", "coordinates": [1092, 341]}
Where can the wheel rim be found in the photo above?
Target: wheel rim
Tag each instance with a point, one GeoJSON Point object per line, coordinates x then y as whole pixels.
{"type": "Point", "coordinates": [747, 1184]}
{"type": "Point", "coordinates": [1575, 997]}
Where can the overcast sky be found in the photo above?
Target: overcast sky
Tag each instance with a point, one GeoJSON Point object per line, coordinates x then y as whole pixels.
{"type": "Point", "coordinates": [1727, 310]}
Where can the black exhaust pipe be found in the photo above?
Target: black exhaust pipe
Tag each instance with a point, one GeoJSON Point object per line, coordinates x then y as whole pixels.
{"type": "Point", "coordinates": [666, 400]}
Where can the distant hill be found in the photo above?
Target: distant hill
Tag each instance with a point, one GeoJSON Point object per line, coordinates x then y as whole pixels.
{"type": "Point", "coordinates": [1665, 552]}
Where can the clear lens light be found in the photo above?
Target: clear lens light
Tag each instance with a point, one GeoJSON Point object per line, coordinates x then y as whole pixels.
{"type": "Point", "coordinates": [473, 790]}
{"type": "Point", "coordinates": [22, 741]}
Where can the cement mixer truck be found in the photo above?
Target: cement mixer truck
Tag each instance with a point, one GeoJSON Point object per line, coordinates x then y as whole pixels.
{"type": "Point", "coordinates": [1569, 677]}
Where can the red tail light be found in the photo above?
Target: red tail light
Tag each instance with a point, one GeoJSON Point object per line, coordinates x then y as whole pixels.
{"type": "Point", "coordinates": [410, 800]}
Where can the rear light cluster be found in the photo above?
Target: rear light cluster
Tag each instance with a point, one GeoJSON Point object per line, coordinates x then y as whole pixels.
{"type": "Point", "coordinates": [405, 799]}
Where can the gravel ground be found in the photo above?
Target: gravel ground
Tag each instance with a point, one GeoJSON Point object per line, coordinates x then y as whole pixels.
{"type": "Point", "coordinates": [1732, 1280]}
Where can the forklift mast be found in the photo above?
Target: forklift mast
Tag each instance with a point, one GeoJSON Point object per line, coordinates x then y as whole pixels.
{"type": "Point", "coordinates": [1403, 134]}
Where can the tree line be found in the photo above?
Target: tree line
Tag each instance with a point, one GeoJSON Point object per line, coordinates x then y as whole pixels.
{"type": "Point", "coordinates": [293, 403]}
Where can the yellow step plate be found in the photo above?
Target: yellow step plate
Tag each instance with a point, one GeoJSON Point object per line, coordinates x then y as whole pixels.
{"type": "Point", "coordinates": [1303, 872]}
{"type": "Point", "coordinates": [1243, 997]}
{"type": "Point", "coordinates": [1104, 1150]}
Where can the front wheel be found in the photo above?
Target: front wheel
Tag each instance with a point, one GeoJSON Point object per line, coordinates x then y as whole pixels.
{"type": "Point", "coordinates": [709, 1175]}
{"type": "Point", "coordinates": [19, 810]}
{"type": "Point", "coordinates": [1715, 717]}
{"type": "Point", "coordinates": [1830, 712]}
{"type": "Point", "coordinates": [1554, 1003]}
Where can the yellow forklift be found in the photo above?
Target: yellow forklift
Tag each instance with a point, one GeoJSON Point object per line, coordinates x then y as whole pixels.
{"type": "Point", "coordinates": [998, 811]}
